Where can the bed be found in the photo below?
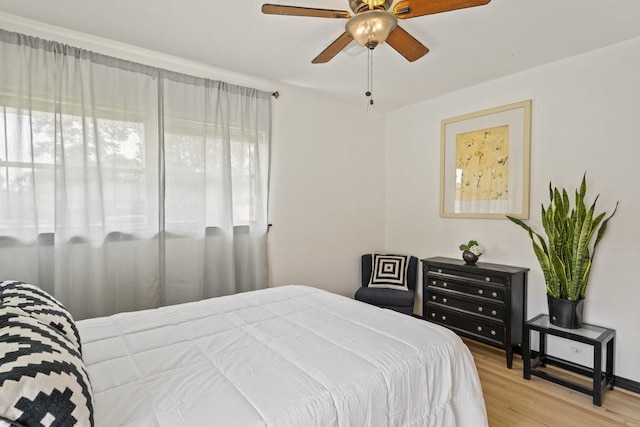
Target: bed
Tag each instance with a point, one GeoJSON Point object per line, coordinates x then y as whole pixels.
{"type": "Point", "coordinates": [285, 356]}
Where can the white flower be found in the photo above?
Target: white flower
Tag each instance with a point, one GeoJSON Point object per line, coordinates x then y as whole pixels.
{"type": "Point", "coordinates": [477, 250]}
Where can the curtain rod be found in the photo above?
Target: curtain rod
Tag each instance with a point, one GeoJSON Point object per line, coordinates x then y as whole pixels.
{"type": "Point", "coordinates": [20, 39]}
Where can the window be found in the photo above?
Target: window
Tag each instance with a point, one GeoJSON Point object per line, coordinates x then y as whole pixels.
{"type": "Point", "coordinates": [118, 158]}
{"type": "Point", "coordinates": [28, 166]}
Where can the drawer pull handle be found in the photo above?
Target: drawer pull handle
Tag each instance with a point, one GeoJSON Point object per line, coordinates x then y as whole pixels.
{"type": "Point", "coordinates": [433, 282]}
{"type": "Point", "coordinates": [480, 309]}
{"type": "Point", "coordinates": [494, 312]}
{"type": "Point", "coordinates": [433, 297]}
{"type": "Point", "coordinates": [444, 300]}
{"type": "Point", "coordinates": [494, 294]}
{"type": "Point", "coordinates": [480, 291]}
{"type": "Point", "coordinates": [479, 328]}
{"type": "Point", "coordinates": [444, 284]}
{"type": "Point", "coordinates": [433, 315]}
{"type": "Point", "coordinates": [493, 332]}
{"type": "Point", "coordinates": [439, 271]}
{"type": "Point", "coordinates": [444, 317]}
{"type": "Point", "coordinates": [487, 279]}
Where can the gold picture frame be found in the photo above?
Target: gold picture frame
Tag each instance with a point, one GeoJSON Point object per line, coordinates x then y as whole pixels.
{"type": "Point", "coordinates": [484, 163]}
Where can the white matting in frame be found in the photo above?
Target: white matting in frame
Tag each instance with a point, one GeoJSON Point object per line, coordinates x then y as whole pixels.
{"type": "Point", "coordinates": [484, 164]}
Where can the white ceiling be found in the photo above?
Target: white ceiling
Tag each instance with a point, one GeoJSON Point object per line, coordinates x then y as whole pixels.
{"type": "Point", "coordinates": [467, 46]}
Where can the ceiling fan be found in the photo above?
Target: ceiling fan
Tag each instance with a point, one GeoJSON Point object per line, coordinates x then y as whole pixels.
{"type": "Point", "coordinates": [374, 23]}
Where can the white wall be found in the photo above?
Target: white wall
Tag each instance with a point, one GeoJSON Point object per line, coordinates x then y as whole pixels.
{"type": "Point", "coordinates": [586, 117]}
{"type": "Point", "coordinates": [327, 190]}
{"type": "Point", "coordinates": [327, 173]}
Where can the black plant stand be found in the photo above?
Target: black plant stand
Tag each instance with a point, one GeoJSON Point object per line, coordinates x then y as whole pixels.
{"type": "Point", "coordinates": [596, 336]}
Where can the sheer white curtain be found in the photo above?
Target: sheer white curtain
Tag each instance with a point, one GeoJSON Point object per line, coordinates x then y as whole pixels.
{"type": "Point", "coordinates": [124, 186]}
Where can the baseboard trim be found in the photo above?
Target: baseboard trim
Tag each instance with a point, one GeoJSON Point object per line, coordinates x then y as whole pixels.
{"type": "Point", "coordinates": [627, 384]}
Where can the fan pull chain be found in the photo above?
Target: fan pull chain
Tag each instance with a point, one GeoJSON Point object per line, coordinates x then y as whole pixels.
{"type": "Point", "coordinates": [369, 91]}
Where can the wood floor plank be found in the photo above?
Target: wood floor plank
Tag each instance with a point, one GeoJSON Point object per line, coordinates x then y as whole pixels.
{"type": "Point", "coordinates": [513, 401]}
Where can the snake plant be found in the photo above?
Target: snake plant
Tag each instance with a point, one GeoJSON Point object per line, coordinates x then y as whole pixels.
{"type": "Point", "coordinates": [567, 255]}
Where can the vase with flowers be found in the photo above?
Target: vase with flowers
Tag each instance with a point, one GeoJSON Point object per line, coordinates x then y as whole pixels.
{"type": "Point", "coordinates": [471, 251]}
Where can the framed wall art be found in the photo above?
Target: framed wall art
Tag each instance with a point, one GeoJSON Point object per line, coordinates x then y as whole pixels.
{"type": "Point", "coordinates": [484, 165]}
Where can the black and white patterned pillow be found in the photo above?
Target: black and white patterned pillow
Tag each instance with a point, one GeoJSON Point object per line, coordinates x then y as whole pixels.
{"type": "Point", "coordinates": [41, 306]}
{"type": "Point", "coordinates": [43, 380]}
{"type": "Point", "coordinates": [389, 271]}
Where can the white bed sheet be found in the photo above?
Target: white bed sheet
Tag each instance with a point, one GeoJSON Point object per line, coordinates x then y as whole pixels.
{"type": "Point", "coordinates": [286, 356]}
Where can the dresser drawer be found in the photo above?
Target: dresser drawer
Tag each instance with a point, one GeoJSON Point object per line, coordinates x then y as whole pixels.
{"type": "Point", "coordinates": [495, 292]}
{"type": "Point", "coordinates": [472, 325]}
{"type": "Point", "coordinates": [488, 278]}
{"type": "Point", "coordinates": [471, 305]}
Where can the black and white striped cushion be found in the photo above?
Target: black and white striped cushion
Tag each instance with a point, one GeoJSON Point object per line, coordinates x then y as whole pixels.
{"type": "Point", "coordinates": [43, 380]}
{"type": "Point", "coordinates": [41, 306]}
{"type": "Point", "coordinates": [389, 271]}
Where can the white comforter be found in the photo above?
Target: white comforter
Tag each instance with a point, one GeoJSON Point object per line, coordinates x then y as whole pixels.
{"type": "Point", "coordinates": [288, 356]}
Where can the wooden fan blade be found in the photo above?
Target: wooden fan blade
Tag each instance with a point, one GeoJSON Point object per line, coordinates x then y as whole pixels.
{"type": "Point", "coordinates": [406, 44]}
{"type": "Point", "coordinates": [411, 8]}
{"type": "Point", "coordinates": [333, 49]}
{"type": "Point", "coordinates": [277, 9]}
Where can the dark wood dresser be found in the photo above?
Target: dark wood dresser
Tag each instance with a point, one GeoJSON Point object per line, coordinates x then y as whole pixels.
{"type": "Point", "coordinates": [486, 302]}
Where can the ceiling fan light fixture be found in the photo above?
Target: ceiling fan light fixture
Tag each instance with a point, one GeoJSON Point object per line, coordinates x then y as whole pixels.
{"type": "Point", "coordinates": [371, 28]}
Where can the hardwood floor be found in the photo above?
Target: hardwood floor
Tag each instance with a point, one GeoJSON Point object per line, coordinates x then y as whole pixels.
{"type": "Point", "coordinates": [514, 401]}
